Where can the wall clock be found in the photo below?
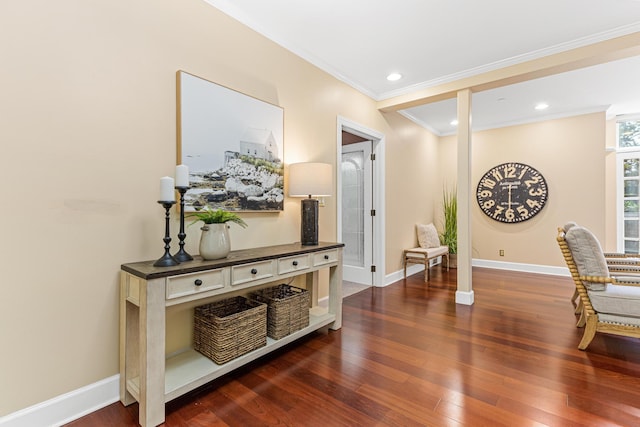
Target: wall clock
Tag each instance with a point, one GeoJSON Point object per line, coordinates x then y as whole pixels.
{"type": "Point", "coordinates": [512, 192]}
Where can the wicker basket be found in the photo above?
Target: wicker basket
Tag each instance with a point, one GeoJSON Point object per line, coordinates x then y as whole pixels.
{"type": "Point", "coordinates": [288, 309]}
{"type": "Point", "coordinates": [226, 329]}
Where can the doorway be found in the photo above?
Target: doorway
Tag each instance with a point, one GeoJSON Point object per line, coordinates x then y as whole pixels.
{"type": "Point", "coordinates": [361, 202]}
{"type": "Point", "coordinates": [357, 222]}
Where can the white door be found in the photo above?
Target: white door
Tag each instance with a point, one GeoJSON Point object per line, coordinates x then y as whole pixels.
{"type": "Point", "coordinates": [357, 223]}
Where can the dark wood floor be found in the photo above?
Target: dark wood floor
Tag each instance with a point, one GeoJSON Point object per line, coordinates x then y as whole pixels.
{"type": "Point", "coordinates": [407, 355]}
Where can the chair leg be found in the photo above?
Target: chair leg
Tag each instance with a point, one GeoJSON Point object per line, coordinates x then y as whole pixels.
{"type": "Point", "coordinates": [589, 332]}
{"type": "Point", "coordinates": [579, 307]}
{"type": "Point", "coordinates": [405, 265]}
{"type": "Point", "coordinates": [582, 320]}
{"type": "Point", "coordinates": [575, 295]}
{"type": "Point", "coordinates": [427, 274]}
{"type": "Point", "coordinates": [447, 257]}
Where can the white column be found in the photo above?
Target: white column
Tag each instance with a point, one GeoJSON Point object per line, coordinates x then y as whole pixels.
{"type": "Point", "coordinates": [464, 294]}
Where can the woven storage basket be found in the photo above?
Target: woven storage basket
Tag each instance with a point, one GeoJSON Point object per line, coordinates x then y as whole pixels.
{"type": "Point", "coordinates": [226, 329]}
{"type": "Point", "coordinates": [288, 309]}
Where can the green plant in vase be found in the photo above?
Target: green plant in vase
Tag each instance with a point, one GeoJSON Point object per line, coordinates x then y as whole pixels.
{"type": "Point", "coordinates": [218, 216]}
{"type": "Point", "coordinates": [214, 241]}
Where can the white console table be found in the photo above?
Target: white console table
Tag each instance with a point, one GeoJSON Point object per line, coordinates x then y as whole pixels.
{"type": "Point", "coordinates": [147, 375]}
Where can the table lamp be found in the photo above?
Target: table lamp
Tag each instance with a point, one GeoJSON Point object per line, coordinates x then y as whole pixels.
{"type": "Point", "coordinates": [309, 180]}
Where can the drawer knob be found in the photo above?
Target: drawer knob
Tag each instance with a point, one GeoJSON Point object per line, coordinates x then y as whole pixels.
{"type": "Point", "coordinates": [254, 271]}
{"type": "Point", "coordinates": [198, 282]}
{"type": "Point", "coordinates": [326, 257]}
{"type": "Point", "coordinates": [295, 263]}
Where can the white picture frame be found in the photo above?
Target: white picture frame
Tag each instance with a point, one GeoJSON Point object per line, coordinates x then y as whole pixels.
{"type": "Point", "coordinates": [233, 145]}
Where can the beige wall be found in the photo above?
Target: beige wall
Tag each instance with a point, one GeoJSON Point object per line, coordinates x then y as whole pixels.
{"type": "Point", "coordinates": [87, 121]}
{"type": "Point", "coordinates": [412, 186]}
{"type": "Point", "coordinates": [570, 154]}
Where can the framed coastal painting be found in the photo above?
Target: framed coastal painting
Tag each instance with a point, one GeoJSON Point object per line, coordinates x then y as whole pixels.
{"type": "Point", "coordinates": [233, 145]}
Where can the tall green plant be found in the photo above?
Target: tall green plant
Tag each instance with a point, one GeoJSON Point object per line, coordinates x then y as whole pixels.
{"type": "Point", "coordinates": [449, 234]}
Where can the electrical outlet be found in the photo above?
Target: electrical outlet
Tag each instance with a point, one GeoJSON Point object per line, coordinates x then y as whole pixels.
{"type": "Point", "coordinates": [501, 252]}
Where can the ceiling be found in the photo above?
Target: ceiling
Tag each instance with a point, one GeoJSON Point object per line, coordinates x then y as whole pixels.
{"type": "Point", "coordinates": [431, 42]}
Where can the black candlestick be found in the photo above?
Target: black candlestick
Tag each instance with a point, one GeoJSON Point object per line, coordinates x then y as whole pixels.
{"type": "Point", "coordinates": [182, 255]}
{"type": "Point", "coordinates": [166, 260]}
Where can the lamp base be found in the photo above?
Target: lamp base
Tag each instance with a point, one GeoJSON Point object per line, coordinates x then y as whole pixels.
{"type": "Point", "coordinates": [309, 224]}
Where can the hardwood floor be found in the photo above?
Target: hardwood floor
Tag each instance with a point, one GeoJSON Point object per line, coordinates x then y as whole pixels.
{"type": "Point", "coordinates": [407, 355]}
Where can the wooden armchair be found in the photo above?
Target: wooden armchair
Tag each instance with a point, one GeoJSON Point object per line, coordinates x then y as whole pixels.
{"type": "Point", "coordinates": [618, 263]}
{"type": "Point", "coordinates": [610, 304]}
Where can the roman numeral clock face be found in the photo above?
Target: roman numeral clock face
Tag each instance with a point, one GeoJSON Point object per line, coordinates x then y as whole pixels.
{"type": "Point", "coordinates": [512, 192]}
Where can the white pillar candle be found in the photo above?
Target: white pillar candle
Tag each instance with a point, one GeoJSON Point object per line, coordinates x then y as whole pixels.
{"type": "Point", "coordinates": [182, 176]}
{"type": "Point", "coordinates": [167, 192]}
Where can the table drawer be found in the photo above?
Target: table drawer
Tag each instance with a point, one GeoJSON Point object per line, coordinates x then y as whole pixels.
{"type": "Point", "coordinates": [293, 263]}
{"type": "Point", "coordinates": [255, 271]}
{"type": "Point", "coordinates": [194, 283]}
{"type": "Point", "coordinates": [326, 257]}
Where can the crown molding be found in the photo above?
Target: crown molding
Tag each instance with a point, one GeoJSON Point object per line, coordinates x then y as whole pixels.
{"type": "Point", "coordinates": [537, 119]}
{"type": "Point", "coordinates": [236, 13]}
{"type": "Point", "coordinates": [537, 54]}
{"type": "Point", "coordinates": [419, 122]}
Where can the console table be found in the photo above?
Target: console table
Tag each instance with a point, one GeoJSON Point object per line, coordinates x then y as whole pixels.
{"type": "Point", "coordinates": [147, 375]}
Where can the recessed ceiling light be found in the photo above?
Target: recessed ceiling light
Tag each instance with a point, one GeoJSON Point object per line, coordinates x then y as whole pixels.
{"type": "Point", "coordinates": [394, 77]}
{"type": "Point", "coordinates": [453, 122]}
{"type": "Point", "coordinates": [541, 106]}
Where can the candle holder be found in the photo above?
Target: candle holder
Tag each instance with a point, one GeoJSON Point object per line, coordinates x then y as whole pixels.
{"type": "Point", "coordinates": [167, 260]}
{"type": "Point", "coordinates": [182, 255]}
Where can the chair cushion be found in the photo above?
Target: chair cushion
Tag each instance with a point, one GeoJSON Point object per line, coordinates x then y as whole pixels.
{"type": "Point", "coordinates": [428, 236]}
{"type": "Point", "coordinates": [427, 252]}
{"type": "Point", "coordinates": [625, 320]}
{"type": "Point", "coordinates": [617, 300]}
{"type": "Point", "coordinates": [588, 256]}
{"type": "Point", "coordinates": [569, 225]}
{"type": "Point", "coordinates": [623, 261]}
{"type": "Point", "coordinates": [627, 270]}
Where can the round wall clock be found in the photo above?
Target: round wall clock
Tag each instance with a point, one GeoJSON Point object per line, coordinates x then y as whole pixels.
{"type": "Point", "coordinates": [512, 192]}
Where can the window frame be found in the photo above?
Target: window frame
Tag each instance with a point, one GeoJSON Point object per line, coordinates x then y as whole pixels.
{"type": "Point", "coordinates": [625, 118]}
{"type": "Point", "coordinates": [622, 154]}
{"type": "Point", "coordinates": [622, 198]}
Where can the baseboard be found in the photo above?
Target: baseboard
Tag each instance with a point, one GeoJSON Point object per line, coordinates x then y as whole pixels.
{"type": "Point", "coordinates": [485, 263]}
{"type": "Point", "coordinates": [399, 275]}
{"type": "Point", "coordinates": [524, 268]}
{"type": "Point", "coordinates": [411, 269]}
{"type": "Point", "coordinates": [67, 407]}
{"type": "Point", "coordinates": [464, 298]}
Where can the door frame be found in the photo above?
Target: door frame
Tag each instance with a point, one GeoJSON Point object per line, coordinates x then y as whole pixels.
{"type": "Point", "coordinates": [378, 168]}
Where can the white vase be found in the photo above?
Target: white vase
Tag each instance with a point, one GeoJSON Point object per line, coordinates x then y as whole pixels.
{"type": "Point", "coordinates": [214, 241]}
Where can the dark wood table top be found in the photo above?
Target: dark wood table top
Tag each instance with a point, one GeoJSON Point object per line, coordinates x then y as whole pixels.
{"type": "Point", "coordinates": [147, 271]}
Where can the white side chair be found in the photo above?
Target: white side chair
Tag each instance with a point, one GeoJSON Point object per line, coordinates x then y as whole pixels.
{"type": "Point", "coordinates": [429, 249]}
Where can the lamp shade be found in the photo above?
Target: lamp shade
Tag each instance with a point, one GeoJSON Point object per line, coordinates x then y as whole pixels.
{"type": "Point", "coordinates": [310, 179]}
